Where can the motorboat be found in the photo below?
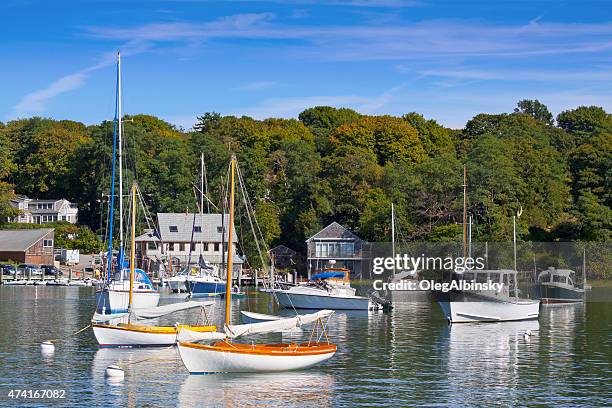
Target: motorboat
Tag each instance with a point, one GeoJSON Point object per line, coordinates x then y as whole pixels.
{"type": "Point", "coordinates": [557, 286]}
{"type": "Point", "coordinates": [329, 289]}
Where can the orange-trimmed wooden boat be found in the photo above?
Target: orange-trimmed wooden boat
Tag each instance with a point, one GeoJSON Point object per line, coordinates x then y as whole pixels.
{"type": "Point", "coordinates": [134, 335]}
{"type": "Point", "coordinates": [229, 357]}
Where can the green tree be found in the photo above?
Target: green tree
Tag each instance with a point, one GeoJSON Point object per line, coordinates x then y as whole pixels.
{"type": "Point", "coordinates": [435, 137]}
{"type": "Point", "coordinates": [585, 120]}
{"type": "Point", "coordinates": [391, 139]}
{"type": "Point", "coordinates": [535, 109]}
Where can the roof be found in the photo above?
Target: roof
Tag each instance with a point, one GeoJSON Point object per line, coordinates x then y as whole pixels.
{"type": "Point", "coordinates": [334, 231]}
{"type": "Point", "coordinates": [281, 250]}
{"type": "Point", "coordinates": [184, 225]}
{"type": "Point", "coordinates": [148, 236]}
{"type": "Point", "coordinates": [21, 239]}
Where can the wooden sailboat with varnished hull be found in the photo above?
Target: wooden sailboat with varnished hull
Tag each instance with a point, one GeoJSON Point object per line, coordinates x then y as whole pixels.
{"type": "Point", "coordinates": [226, 356]}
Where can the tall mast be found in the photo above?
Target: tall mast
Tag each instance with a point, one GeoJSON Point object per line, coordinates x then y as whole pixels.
{"type": "Point", "coordinates": [120, 127]}
{"type": "Point", "coordinates": [132, 246]}
{"type": "Point", "coordinates": [109, 261]}
{"type": "Point", "coordinates": [201, 183]}
{"type": "Point", "coordinates": [465, 211]}
{"type": "Point", "coordinates": [393, 235]}
{"type": "Point", "coordinates": [228, 283]}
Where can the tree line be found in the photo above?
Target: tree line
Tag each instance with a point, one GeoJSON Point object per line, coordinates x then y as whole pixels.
{"type": "Point", "coordinates": [335, 164]}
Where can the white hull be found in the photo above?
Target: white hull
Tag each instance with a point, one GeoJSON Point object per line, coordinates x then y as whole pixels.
{"type": "Point", "coordinates": [492, 311]}
{"type": "Point", "coordinates": [307, 301]}
{"type": "Point", "coordinates": [116, 301]}
{"type": "Point", "coordinates": [117, 337]}
{"type": "Point", "coordinates": [177, 285]}
{"type": "Point", "coordinates": [201, 361]}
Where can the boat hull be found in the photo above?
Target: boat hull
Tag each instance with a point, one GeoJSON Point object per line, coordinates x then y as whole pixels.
{"type": "Point", "coordinates": [201, 359]}
{"type": "Point", "coordinates": [489, 311]}
{"type": "Point", "coordinates": [303, 301]}
{"type": "Point", "coordinates": [201, 288]}
{"type": "Point", "coordinates": [177, 286]}
{"type": "Point", "coordinates": [116, 301]}
{"type": "Point", "coordinates": [551, 293]}
{"type": "Point", "coordinates": [139, 336]}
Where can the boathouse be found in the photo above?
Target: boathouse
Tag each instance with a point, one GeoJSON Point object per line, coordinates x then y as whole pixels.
{"type": "Point", "coordinates": [337, 243]}
{"type": "Point", "coordinates": [32, 246]}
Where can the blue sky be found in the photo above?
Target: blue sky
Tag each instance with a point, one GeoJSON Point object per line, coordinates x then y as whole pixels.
{"type": "Point", "coordinates": [448, 60]}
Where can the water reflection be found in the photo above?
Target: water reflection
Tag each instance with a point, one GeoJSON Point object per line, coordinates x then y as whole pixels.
{"type": "Point", "coordinates": [303, 389]}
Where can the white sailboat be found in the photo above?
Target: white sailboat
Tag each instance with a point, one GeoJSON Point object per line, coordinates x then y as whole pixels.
{"type": "Point", "coordinates": [228, 356]}
{"type": "Point", "coordinates": [113, 330]}
{"type": "Point", "coordinates": [469, 306]}
{"type": "Point", "coordinates": [113, 297]}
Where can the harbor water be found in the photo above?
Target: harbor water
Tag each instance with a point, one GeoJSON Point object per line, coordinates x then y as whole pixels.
{"type": "Point", "coordinates": [407, 357]}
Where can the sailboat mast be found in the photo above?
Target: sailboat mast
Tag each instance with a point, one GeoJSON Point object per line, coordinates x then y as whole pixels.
{"type": "Point", "coordinates": [228, 284]}
{"type": "Point", "coordinates": [393, 235]}
{"type": "Point", "coordinates": [465, 211]}
{"type": "Point", "coordinates": [201, 183]}
{"type": "Point", "coordinates": [132, 246]}
{"type": "Point", "coordinates": [120, 127]}
{"type": "Point", "coordinates": [109, 261]}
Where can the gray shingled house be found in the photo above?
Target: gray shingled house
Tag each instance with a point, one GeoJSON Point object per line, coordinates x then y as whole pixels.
{"type": "Point", "coordinates": [179, 239]}
{"type": "Point", "coordinates": [337, 243]}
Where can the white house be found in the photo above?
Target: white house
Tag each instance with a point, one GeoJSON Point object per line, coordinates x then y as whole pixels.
{"type": "Point", "coordinates": [37, 211]}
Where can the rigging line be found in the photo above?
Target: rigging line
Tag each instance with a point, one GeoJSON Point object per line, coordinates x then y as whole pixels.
{"type": "Point", "coordinates": [249, 209]}
{"type": "Point", "coordinates": [208, 200]}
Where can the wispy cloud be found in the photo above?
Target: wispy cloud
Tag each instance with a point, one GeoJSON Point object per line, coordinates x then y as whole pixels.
{"type": "Point", "coordinates": [35, 103]}
{"type": "Point", "coordinates": [407, 41]}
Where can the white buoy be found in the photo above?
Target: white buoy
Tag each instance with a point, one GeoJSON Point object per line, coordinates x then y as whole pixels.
{"type": "Point", "coordinates": [114, 372]}
{"type": "Point", "coordinates": [47, 347]}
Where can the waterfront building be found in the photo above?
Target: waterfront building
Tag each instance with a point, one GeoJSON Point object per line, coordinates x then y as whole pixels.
{"type": "Point", "coordinates": [182, 237]}
{"type": "Point", "coordinates": [31, 246]}
{"type": "Point", "coordinates": [35, 211]}
{"type": "Point", "coordinates": [337, 243]}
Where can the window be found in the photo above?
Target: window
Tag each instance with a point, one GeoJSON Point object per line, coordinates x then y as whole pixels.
{"type": "Point", "coordinates": [197, 228]}
{"type": "Point", "coordinates": [182, 247]}
{"type": "Point", "coordinates": [193, 246]}
{"type": "Point", "coordinates": [151, 246]}
{"type": "Point", "coordinates": [347, 249]}
{"type": "Point", "coordinates": [171, 246]}
{"type": "Point", "coordinates": [47, 243]}
{"type": "Point", "coordinates": [219, 230]}
{"type": "Point", "coordinates": [216, 247]}
{"type": "Point", "coordinates": [173, 228]}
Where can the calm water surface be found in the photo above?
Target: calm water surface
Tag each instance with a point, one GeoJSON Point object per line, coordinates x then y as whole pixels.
{"type": "Point", "coordinates": [406, 358]}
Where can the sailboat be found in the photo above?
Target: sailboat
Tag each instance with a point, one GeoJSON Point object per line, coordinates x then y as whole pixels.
{"type": "Point", "coordinates": [129, 334]}
{"type": "Point", "coordinates": [469, 306]}
{"type": "Point", "coordinates": [226, 356]}
{"type": "Point", "coordinates": [113, 297]}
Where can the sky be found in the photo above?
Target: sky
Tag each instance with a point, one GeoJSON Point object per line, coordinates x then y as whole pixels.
{"type": "Point", "coordinates": [448, 60]}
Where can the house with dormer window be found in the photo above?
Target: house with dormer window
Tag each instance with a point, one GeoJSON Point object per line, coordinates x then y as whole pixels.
{"type": "Point", "coordinates": [183, 237]}
{"type": "Point", "coordinates": [39, 211]}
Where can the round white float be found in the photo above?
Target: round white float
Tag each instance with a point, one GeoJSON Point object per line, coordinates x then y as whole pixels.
{"type": "Point", "coordinates": [47, 347]}
{"type": "Point", "coordinates": [114, 372]}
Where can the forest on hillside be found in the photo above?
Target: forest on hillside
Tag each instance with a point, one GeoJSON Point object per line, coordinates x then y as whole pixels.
{"type": "Point", "coordinates": [335, 164]}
